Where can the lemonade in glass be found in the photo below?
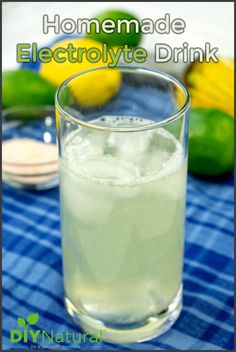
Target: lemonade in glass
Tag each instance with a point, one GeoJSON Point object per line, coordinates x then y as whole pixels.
{"type": "Point", "coordinates": [123, 173]}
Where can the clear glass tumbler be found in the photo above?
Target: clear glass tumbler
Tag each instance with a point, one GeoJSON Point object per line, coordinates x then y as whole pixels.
{"type": "Point", "coordinates": [122, 137]}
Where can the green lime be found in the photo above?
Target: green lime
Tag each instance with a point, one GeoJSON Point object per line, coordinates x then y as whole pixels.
{"type": "Point", "coordinates": [26, 87]}
{"type": "Point", "coordinates": [115, 39]}
{"type": "Point", "coordinates": [211, 142]}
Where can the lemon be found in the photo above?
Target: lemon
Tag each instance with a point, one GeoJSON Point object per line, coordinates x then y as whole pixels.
{"type": "Point", "coordinates": [91, 90]}
{"type": "Point", "coordinates": [96, 88]}
{"type": "Point", "coordinates": [211, 84]}
{"type": "Point", "coordinates": [211, 142]}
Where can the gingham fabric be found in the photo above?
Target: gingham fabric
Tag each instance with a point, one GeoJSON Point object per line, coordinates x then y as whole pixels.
{"type": "Point", "coordinates": [32, 270]}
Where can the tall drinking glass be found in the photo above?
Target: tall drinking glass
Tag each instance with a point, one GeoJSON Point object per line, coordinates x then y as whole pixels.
{"type": "Point", "coordinates": [122, 137]}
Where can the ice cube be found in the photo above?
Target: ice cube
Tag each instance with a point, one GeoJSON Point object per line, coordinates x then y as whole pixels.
{"type": "Point", "coordinates": [81, 148]}
{"type": "Point", "coordinates": [161, 139]}
{"type": "Point", "coordinates": [92, 186]}
{"type": "Point", "coordinates": [105, 247]}
{"type": "Point", "coordinates": [83, 199]}
{"type": "Point", "coordinates": [98, 138]}
{"type": "Point", "coordinates": [155, 216]}
{"type": "Point", "coordinates": [113, 178]}
{"type": "Point", "coordinates": [153, 162]}
{"type": "Point", "coordinates": [106, 168]}
{"type": "Point", "coordinates": [129, 146]}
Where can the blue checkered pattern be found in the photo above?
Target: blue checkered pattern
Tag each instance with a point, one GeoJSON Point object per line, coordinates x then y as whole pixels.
{"type": "Point", "coordinates": [32, 269]}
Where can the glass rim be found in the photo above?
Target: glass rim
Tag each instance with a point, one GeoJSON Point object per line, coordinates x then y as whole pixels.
{"type": "Point", "coordinates": [165, 121]}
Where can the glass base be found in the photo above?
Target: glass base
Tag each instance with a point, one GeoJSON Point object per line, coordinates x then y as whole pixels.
{"type": "Point", "coordinates": [48, 184]}
{"type": "Point", "coordinates": [152, 327]}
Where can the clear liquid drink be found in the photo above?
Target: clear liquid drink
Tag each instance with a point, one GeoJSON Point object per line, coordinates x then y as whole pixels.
{"type": "Point", "coordinates": [123, 211]}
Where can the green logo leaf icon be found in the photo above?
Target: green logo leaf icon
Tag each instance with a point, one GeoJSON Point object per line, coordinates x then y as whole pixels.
{"type": "Point", "coordinates": [21, 322]}
{"type": "Point", "coordinates": [32, 318]}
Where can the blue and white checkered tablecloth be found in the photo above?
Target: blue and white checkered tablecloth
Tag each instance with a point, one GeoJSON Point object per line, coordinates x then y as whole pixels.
{"type": "Point", "coordinates": [32, 270]}
{"type": "Point", "coordinates": [32, 264]}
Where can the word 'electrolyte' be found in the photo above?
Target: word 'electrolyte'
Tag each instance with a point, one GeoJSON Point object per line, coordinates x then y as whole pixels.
{"type": "Point", "coordinates": [163, 53]}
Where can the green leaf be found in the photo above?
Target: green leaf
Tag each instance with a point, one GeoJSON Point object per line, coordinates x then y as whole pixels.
{"type": "Point", "coordinates": [21, 322]}
{"type": "Point", "coordinates": [32, 318]}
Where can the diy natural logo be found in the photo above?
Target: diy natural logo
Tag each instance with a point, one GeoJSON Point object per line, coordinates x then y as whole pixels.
{"type": "Point", "coordinates": [17, 335]}
{"type": "Point", "coordinates": [41, 336]}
